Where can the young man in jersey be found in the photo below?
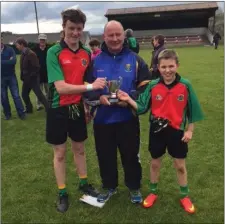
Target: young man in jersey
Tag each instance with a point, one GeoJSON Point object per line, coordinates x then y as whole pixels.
{"type": "Point", "coordinates": [67, 63]}
{"type": "Point", "coordinates": [171, 100]}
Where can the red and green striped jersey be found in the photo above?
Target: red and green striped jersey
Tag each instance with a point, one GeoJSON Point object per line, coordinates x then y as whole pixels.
{"type": "Point", "coordinates": [176, 102]}
{"type": "Point", "coordinates": [70, 66]}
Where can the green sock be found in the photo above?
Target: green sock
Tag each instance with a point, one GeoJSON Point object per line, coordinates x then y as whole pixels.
{"type": "Point", "coordinates": [153, 188]}
{"type": "Point", "coordinates": [184, 191]}
{"type": "Point", "coordinates": [83, 181]}
{"type": "Point", "coordinates": [62, 191]}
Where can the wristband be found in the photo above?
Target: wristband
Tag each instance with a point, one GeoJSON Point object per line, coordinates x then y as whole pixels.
{"type": "Point", "coordinates": [89, 87]}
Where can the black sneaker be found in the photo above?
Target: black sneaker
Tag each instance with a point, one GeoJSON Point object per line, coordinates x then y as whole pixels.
{"type": "Point", "coordinates": [22, 117]}
{"type": "Point", "coordinates": [89, 190]}
{"type": "Point", "coordinates": [63, 203]}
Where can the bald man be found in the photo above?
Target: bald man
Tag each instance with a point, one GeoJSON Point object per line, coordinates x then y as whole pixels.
{"type": "Point", "coordinates": [115, 126]}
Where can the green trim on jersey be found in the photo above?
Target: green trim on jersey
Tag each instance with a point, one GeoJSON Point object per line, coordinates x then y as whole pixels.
{"type": "Point", "coordinates": [194, 111]}
{"type": "Point", "coordinates": [54, 74]}
{"type": "Point", "coordinates": [86, 49]}
{"type": "Point", "coordinates": [53, 67]}
{"type": "Point", "coordinates": [143, 101]}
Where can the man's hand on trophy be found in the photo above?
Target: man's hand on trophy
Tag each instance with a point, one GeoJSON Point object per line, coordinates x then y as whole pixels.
{"type": "Point", "coordinates": [99, 83]}
{"type": "Point", "coordinates": [122, 104]}
{"type": "Point", "coordinates": [104, 100]}
{"type": "Point", "coordinates": [123, 96]}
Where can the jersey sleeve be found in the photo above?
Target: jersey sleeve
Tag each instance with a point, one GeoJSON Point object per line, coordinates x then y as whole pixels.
{"type": "Point", "coordinates": [194, 111]}
{"type": "Point", "coordinates": [53, 67]}
{"type": "Point", "coordinates": [143, 101]}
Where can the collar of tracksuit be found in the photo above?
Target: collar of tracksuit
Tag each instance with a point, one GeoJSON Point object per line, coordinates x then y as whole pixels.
{"type": "Point", "coordinates": [105, 49]}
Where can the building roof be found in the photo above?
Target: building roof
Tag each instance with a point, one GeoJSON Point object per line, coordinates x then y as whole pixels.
{"type": "Point", "coordinates": [165, 8]}
{"type": "Point", "coordinates": [33, 38]}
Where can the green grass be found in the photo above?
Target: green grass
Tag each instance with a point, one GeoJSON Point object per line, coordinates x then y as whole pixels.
{"type": "Point", "coordinates": [28, 184]}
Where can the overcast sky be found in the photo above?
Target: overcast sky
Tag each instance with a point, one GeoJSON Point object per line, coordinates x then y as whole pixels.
{"type": "Point", "coordinates": [19, 17]}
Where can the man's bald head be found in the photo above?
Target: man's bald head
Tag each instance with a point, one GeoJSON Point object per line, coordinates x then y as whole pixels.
{"type": "Point", "coordinates": [113, 23]}
{"type": "Point", "coordinates": [114, 36]}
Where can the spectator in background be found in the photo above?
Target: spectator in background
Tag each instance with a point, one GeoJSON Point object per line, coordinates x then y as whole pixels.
{"type": "Point", "coordinates": [95, 48]}
{"type": "Point", "coordinates": [158, 44]}
{"type": "Point", "coordinates": [216, 39]}
{"type": "Point", "coordinates": [9, 80]}
{"type": "Point", "coordinates": [29, 67]}
{"type": "Point", "coordinates": [62, 35]}
{"type": "Point", "coordinates": [41, 52]}
{"type": "Point", "coordinates": [132, 41]}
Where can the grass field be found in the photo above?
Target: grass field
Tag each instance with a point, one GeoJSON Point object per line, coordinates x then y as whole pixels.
{"type": "Point", "coordinates": [28, 184]}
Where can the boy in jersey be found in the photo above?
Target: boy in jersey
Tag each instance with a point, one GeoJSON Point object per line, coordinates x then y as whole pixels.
{"type": "Point", "coordinates": [67, 63]}
{"type": "Point", "coordinates": [171, 100]}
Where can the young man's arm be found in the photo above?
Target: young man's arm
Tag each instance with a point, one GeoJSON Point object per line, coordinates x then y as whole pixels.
{"type": "Point", "coordinates": [12, 59]}
{"type": "Point", "coordinates": [55, 75]}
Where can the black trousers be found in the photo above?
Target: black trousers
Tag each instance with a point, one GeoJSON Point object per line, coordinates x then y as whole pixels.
{"type": "Point", "coordinates": [33, 84]}
{"type": "Point", "coordinates": [216, 44]}
{"type": "Point", "coordinates": [126, 137]}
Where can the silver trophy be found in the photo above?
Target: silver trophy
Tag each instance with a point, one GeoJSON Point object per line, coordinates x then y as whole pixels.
{"type": "Point", "coordinates": [114, 86]}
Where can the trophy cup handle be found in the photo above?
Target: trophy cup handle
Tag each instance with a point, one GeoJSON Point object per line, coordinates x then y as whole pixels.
{"type": "Point", "coordinates": [107, 85]}
{"type": "Point", "coordinates": [120, 81]}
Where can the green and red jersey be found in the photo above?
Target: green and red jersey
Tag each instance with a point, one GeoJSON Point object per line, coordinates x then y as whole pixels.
{"type": "Point", "coordinates": [70, 66]}
{"type": "Point", "coordinates": [176, 102]}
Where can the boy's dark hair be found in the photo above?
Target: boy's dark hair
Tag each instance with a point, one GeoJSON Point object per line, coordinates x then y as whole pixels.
{"type": "Point", "coordinates": [21, 41]}
{"type": "Point", "coordinates": [74, 15]}
{"type": "Point", "coordinates": [160, 39]}
{"type": "Point", "coordinates": [168, 54]}
{"type": "Point", "coordinates": [94, 42]}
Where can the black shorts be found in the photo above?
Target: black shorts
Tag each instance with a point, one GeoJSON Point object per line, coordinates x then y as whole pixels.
{"type": "Point", "coordinates": [59, 125]}
{"type": "Point", "coordinates": [169, 138]}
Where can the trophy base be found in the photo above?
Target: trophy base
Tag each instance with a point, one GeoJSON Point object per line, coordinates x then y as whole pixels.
{"type": "Point", "coordinates": [113, 100]}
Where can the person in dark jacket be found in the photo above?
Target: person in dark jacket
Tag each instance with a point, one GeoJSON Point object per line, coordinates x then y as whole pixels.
{"type": "Point", "coordinates": [158, 44]}
{"type": "Point", "coordinates": [9, 80]}
{"type": "Point", "coordinates": [132, 41]}
{"type": "Point", "coordinates": [115, 125]}
{"type": "Point", "coordinates": [29, 67]}
{"type": "Point", "coordinates": [41, 52]}
{"type": "Point", "coordinates": [216, 39]}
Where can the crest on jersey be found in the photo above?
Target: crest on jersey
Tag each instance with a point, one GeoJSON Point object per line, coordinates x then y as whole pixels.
{"type": "Point", "coordinates": [158, 97]}
{"type": "Point", "coordinates": [128, 67]}
{"type": "Point", "coordinates": [84, 62]}
{"type": "Point", "coordinates": [180, 97]}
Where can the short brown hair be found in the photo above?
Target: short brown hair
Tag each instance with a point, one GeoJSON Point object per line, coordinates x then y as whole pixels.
{"type": "Point", "coordinates": [168, 54]}
{"type": "Point", "coordinates": [21, 41]}
{"type": "Point", "coordinates": [74, 15]}
{"type": "Point", "coordinates": [160, 39]}
{"type": "Point", "coordinates": [94, 42]}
